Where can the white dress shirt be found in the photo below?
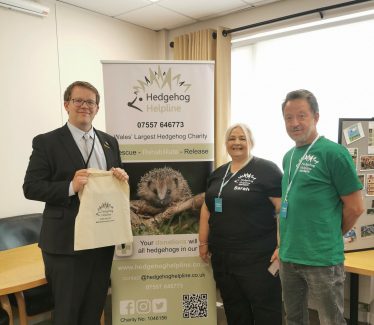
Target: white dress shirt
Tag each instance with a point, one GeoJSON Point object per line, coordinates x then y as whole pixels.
{"type": "Point", "coordinates": [97, 159]}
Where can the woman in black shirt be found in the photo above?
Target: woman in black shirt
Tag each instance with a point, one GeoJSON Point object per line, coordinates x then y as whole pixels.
{"type": "Point", "coordinates": [238, 228]}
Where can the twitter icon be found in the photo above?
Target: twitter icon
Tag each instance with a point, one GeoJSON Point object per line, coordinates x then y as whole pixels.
{"type": "Point", "coordinates": [159, 305]}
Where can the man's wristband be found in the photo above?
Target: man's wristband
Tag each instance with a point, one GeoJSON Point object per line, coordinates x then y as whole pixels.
{"type": "Point", "coordinates": [277, 247]}
{"type": "Point", "coordinates": [203, 244]}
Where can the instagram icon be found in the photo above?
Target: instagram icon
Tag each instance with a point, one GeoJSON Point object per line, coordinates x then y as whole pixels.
{"type": "Point", "coordinates": [143, 306]}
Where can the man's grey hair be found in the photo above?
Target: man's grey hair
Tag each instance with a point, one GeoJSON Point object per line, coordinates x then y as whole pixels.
{"type": "Point", "coordinates": [246, 130]}
{"type": "Point", "coordinates": [302, 94]}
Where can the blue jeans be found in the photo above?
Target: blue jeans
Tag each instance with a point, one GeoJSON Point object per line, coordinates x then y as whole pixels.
{"type": "Point", "coordinates": [325, 284]}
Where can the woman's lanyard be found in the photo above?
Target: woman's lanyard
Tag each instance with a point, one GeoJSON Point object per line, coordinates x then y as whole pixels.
{"type": "Point", "coordinates": [284, 207]}
{"type": "Point", "coordinates": [218, 201]}
{"type": "Point", "coordinates": [89, 156]}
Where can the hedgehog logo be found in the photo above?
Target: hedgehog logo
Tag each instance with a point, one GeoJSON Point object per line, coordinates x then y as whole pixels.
{"type": "Point", "coordinates": [160, 79]}
{"type": "Point", "coordinates": [105, 210]}
{"type": "Point", "coordinates": [311, 158]}
{"type": "Point", "coordinates": [246, 178]}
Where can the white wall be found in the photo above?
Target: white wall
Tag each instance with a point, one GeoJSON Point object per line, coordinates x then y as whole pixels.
{"type": "Point", "coordinates": [86, 38]}
{"type": "Point", "coordinates": [39, 58]}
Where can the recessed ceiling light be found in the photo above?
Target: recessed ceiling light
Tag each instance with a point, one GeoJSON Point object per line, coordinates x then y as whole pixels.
{"type": "Point", "coordinates": [153, 1]}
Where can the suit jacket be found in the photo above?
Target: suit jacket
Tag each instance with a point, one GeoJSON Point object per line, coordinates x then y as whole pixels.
{"type": "Point", "coordinates": [54, 160]}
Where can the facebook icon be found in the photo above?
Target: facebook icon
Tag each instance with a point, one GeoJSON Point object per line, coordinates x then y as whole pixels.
{"type": "Point", "coordinates": [127, 307]}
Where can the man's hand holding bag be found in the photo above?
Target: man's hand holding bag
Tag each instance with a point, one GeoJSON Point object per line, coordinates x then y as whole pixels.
{"type": "Point", "coordinates": [104, 212]}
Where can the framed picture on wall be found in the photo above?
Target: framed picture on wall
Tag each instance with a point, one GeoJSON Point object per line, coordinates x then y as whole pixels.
{"type": "Point", "coordinates": [367, 163]}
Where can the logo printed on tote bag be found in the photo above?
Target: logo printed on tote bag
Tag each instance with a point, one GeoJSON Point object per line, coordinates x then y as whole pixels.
{"type": "Point", "coordinates": [105, 211]}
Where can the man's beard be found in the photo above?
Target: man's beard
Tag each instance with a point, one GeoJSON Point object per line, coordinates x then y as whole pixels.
{"type": "Point", "coordinates": [305, 137]}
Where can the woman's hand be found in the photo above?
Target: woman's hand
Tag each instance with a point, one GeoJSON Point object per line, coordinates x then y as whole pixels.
{"type": "Point", "coordinates": [275, 255]}
{"type": "Point", "coordinates": [204, 253]}
{"type": "Point", "coordinates": [204, 233]}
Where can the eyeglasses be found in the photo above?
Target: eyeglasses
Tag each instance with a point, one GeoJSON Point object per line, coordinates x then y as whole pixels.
{"type": "Point", "coordinates": [79, 102]}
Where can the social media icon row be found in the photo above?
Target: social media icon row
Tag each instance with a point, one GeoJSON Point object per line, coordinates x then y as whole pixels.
{"type": "Point", "coordinates": [127, 307]}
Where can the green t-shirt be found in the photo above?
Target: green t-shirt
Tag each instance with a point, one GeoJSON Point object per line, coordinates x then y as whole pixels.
{"type": "Point", "coordinates": [311, 234]}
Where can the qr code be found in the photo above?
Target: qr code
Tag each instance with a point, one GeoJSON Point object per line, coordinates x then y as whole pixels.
{"type": "Point", "coordinates": [195, 306]}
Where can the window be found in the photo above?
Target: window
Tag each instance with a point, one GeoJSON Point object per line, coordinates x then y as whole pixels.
{"type": "Point", "coordinates": [334, 63]}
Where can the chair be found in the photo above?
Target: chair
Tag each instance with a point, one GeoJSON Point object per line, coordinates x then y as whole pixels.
{"type": "Point", "coordinates": [4, 313]}
{"type": "Point", "coordinates": [16, 232]}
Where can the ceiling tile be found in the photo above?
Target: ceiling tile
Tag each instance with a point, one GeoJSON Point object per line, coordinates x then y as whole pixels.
{"type": "Point", "coordinates": [109, 7]}
{"type": "Point", "coordinates": [201, 8]}
{"type": "Point", "coordinates": [225, 13]}
{"type": "Point", "coordinates": [182, 24]}
{"type": "Point", "coordinates": [153, 17]}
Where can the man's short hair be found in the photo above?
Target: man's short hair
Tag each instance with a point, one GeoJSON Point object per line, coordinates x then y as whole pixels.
{"type": "Point", "coordinates": [302, 94]}
{"type": "Point", "coordinates": [69, 89]}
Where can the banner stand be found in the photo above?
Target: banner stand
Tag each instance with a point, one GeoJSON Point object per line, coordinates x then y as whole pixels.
{"type": "Point", "coordinates": [162, 114]}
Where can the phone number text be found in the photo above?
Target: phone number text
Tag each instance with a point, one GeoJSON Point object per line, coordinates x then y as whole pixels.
{"type": "Point", "coordinates": [151, 125]}
{"type": "Point", "coordinates": [165, 286]}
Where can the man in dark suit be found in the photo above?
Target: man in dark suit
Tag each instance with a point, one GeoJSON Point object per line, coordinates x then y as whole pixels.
{"type": "Point", "coordinates": [57, 171]}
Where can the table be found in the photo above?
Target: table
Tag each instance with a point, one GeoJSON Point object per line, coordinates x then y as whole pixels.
{"type": "Point", "coordinates": [21, 268]}
{"type": "Point", "coordinates": [358, 263]}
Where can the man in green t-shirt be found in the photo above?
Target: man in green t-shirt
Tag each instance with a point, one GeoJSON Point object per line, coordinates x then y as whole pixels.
{"type": "Point", "coordinates": [321, 201]}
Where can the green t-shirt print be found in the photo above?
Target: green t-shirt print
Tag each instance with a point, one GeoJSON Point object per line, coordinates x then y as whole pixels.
{"type": "Point", "coordinates": [311, 233]}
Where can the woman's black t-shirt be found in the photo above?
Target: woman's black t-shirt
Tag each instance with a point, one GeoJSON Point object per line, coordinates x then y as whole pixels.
{"type": "Point", "coordinates": [248, 218]}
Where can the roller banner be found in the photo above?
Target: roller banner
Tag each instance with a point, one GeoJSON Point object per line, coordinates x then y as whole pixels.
{"type": "Point", "coordinates": [162, 114]}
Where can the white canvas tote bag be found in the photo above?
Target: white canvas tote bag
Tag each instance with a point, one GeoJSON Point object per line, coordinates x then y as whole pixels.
{"type": "Point", "coordinates": [104, 212]}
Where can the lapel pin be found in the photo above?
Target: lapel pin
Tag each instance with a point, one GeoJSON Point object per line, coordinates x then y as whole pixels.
{"type": "Point", "coordinates": [106, 145]}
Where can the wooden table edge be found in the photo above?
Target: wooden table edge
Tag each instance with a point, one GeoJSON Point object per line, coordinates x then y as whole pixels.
{"type": "Point", "coordinates": [22, 287]}
{"type": "Point", "coordinates": [358, 270]}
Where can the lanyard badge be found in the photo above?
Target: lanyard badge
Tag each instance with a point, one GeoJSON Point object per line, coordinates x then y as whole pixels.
{"type": "Point", "coordinates": [284, 206]}
{"type": "Point", "coordinates": [283, 211]}
{"type": "Point", "coordinates": [218, 205]}
{"type": "Point", "coordinates": [218, 201]}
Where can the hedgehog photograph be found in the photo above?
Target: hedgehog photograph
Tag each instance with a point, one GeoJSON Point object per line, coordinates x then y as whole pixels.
{"type": "Point", "coordinates": [162, 187]}
{"type": "Point", "coordinates": [164, 194]}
